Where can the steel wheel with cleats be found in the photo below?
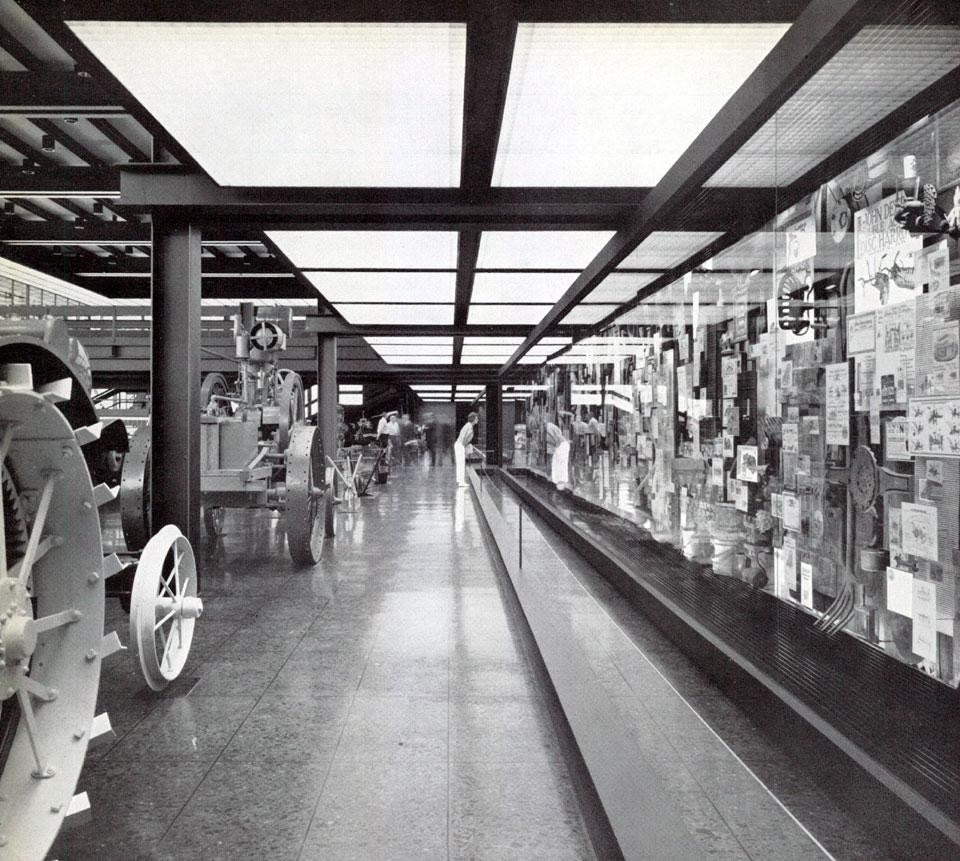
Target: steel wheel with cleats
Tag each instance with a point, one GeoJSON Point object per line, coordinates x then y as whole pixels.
{"type": "Point", "coordinates": [164, 606]}
{"type": "Point", "coordinates": [51, 614]}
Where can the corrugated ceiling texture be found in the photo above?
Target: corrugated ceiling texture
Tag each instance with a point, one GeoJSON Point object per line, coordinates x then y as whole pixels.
{"type": "Point", "coordinates": [664, 249]}
{"type": "Point", "coordinates": [879, 70]}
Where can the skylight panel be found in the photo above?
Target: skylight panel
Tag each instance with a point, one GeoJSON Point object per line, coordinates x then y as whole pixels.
{"type": "Point", "coordinates": [385, 286]}
{"type": "Point", "coordinates": [586, 315]}
{"type": "Point", "coordinates": [524, 315]}
{"type": "Point", "coordinates": [385, 314]}
{"type": "Point", "coordinates": [616, 104]}
{"type": "Point", "coordinates": [368, 249]}
{"type": "Point", "coordinates": [520, 286]}
{"type": "Point", "coordinates": [419, 360]}
{"type": "Point", "coordinates": [665, 249]}
{"type": "Point", "coordinates": [540, 249]}
{"type": "Point", "coordinates": [337, 104]}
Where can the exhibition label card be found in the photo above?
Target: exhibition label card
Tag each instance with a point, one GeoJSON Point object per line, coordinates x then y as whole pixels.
{"type": "Point", "coordinates": [838, 403]}
{"type": "Point", "coordinates": [925, 619]}
{"type": "Point", "coordinates": [806, 584]}
{"type": "Point", "coordinates": [862, 333]}
{"type": "Point", "coordinates": [918, 530]}
{"type": "Point", "coordinates": [900, 592]}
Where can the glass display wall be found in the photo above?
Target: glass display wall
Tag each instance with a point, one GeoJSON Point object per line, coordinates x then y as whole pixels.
{"type": "Point", "coordinates": [788, 411]}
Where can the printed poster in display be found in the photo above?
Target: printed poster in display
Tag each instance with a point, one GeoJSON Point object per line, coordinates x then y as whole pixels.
{"type": "Point", "coordinates": [800, 241]}
{"type": "Point", "coordinates": [791, 437]}
{"type": "Point", "coordinates": [728, 445]}
{"type": "Point", "coordinates": [865, 374]}
{"type": "Point", "coordinates": [900, 592]}
{"type": "Point", "coordinates": [897, 328]}
{"type": "Point", "coordinates": [789, 566]}
{"type": "Point", "coordinates": [895, 439]}
{"type": "Point", "coordinates": [743, 496]}
{"type": "Point", "coordinates": [747, 463]}
{"type": "Point", "coordinates": [806, 584]}
{"type": "Point", "coordinates": [838, 403]}
{"type": "Point", "coordinates": [918, 530]}
{"type": "Point", "coordinates": [896, 373]}
{"type": "Point", "coordinates": [862, 333]}
{"type": "Point", "coordinates": [934, 427]}
{"type": "Point", "coordinates": [791, 512]}
{"type": "Point", "coordinates": [730, 368]}
{"type": "Point", "coordinates": [942, 375]}
{"type": "Point", "coordinates": [925, 619]}
{"type": "Point", "coordinates": [933, 267]}
{"type": "Point", "coordinates": [883, 256]}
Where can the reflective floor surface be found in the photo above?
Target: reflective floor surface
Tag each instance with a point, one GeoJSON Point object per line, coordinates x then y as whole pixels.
{"type": "Point", "coordinates": [381, 705]}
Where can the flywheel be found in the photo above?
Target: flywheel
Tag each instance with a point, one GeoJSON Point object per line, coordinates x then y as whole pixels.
{"type": "Point", "coordinates": [305, 495]}
{"type": "Point", "coordinates": [51, 614]}
{"type": "Point", "coordinates": [135, 491]}
{"type": "Point", "coordinates": [291, 402]}
{"type": "Point", "coordinates": [164, 606]}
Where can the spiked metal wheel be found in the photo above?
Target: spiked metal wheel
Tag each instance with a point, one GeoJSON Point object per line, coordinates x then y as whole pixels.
{"type": "Point", "coordinates": [164, 606]}
{"type": "Point", "coordinates": [305, 495]}
{"type": "Point", "coordinates": [51, 612]}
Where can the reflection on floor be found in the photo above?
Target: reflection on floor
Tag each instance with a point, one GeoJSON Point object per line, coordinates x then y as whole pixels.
{"type": "Point", "coordinates": [378, 706]}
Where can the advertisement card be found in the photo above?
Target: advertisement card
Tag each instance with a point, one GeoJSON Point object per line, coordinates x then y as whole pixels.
{"type": "Point", "coordinates": [786, 376]}
{"type": "Point", "coordinates": [941, 374]}
{"type": "Point", "coordinates": [896, 372]}
{"type": "Point", "coordinates": [865, 371]}
{"type": "Point", "coordinates": [838, 404]}
{"type": "Point", "coordinates": [789, 566]}
{"type": "Point", "coordinates": [900, 592]}
{"type": "Point", "coordinates": [862, 333]}
{"type": "Point", "coordinates": [895, 439]}
{"type": "Point", "coordinates": [937, 266]}
{"type": "Point", "coordinates": [934, 427]}
{"type": "Point", "coordinates": [806, 584]}
{"type": "Point", "coordinates": [791, 512]}
{"type": "Point", "coordinates": [800, 241]}
{"type": "Point", "coordinates": [791, 437]}
{"type": "Point", "coordinates": [883, 256]}
{"type": "Point", "coordinates": [716, 471]}
{"type": "Point", "coordinates": [728, 445]}
{"type": "Point", "coordinates": [747, 463]}
{"type": "Point", "coordinates": [918, 530]}
{"type": "Point", "coordinates": [776, 505]}
{"type": "Point", "coordinates": [730, 368]}
{"type": "Point", "coordinates": [897, 328]}
{"type": "Point", "coordinates": [925, 619]}
{"type": "Point", "coordinates": [743, 496]}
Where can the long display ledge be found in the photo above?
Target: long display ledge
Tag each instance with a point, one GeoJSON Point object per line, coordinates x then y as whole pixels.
{"type": "Point", "coordinates": [900, 726]}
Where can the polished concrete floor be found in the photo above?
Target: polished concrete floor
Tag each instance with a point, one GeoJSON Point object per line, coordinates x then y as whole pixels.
{"type": "Point", "coordinates": [381, 705]}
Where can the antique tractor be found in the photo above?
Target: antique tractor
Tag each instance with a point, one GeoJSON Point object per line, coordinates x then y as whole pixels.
{"type": "Point", "coordinates": [256, 450]}
{"type": "Point", "coordinates": [53, 575]}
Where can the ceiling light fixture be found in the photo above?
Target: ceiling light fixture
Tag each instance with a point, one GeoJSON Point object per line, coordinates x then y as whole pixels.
{"type": "Point", "coordinates": [28, 168]}
{"type": "Point", "coordinates": [8, 208]}
{"type": "Point", "coordinates": [97, 208]}
{"type": "Point", "coordinates": [48, 143]}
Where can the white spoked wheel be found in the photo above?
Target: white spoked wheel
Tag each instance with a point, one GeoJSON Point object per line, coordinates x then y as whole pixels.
{"type": "Point", "coordinates": [164, 606]}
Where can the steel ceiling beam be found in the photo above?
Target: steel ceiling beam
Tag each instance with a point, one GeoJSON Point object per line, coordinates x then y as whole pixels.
{"type": "Point", "coordinates": [52, 180]}
{"type": "Point", "coordinates": [678, 11]}
{"type": "Point", "coordinates": [25, 149]}
{"type": "Point", "coordinates": [16, 49]}
{"type": "Point", "coordinates": [68, 143]}
{"type": "Point", "coordinates": [822, 29]}
{"type": "Point", "coordinates": [54, 94]}
{"type": "Point", "coordinates": [119, 139]}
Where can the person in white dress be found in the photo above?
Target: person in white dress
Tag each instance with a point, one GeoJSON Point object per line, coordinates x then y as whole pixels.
{"type": "Point", "coordinates": [559, 473]}
{"type": "Point", "coordinates": [464, 444]}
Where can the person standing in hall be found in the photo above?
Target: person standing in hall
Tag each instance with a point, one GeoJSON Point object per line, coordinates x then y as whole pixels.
{"type": "Point", "coordinates": [559, 473]}
{"type": "Point", "coordinates": [464, 444]}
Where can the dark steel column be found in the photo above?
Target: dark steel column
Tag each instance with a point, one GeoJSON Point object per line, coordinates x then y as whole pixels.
{"type": "Point", "coordinates": [494, 434]}
{"type": "Point", "coordinates": [328, 400]}
{"type": "Point", "coordinates": [175, 378]}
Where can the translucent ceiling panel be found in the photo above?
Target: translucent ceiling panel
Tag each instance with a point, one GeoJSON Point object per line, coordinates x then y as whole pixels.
{"type": "Point", "coordinates": [520, 286]}
{"type": "Point", "coordinates": [616, 104]}
{"type": "Point", "coordinates": [388, 340]}
{"type": "Point", "coordinates": [385, 286]}
{"type": "Point", "coordinates": [875, 73]}
{"type": "Point", "coordinates": [304, 104]}
{"type": "Point", "coordinates": [413, 349]}
{"type": "Point", "coordinates": [430, 387]}
{"type": "Point", "coordinates": [540, 249]}
{"type": "Point", "coordinates": [368, 249]}
{"type": "Point", "coordinates": [514, 315]}
{"type": "Point", "coordinates": [400, 315]}
{"type": "Point", "coordinates": [487, 350]}
{"type": "Point", "coordinates": [665, 249]}
{"type": "Point", "coordinates": [419, 360]}
{"type": "Point", "coordinates": [483, 360]}
{"type": "Point", "coordinates": [585, 315]}
{"type": "Point", "coordinates": [620, 286]}
{"type": "Point", "coordinates": [492, 339]}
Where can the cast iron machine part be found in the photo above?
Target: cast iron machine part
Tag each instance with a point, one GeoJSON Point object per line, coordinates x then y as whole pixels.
{"type": "Point", "coordinates": [257, 451]}
{"type": "Point", "coordinates": [52, 576]}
